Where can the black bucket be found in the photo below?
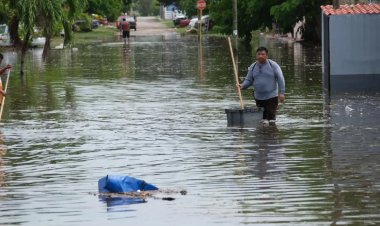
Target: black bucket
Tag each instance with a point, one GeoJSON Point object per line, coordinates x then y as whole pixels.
{"type": "Point", "coordinates": [244, 117]}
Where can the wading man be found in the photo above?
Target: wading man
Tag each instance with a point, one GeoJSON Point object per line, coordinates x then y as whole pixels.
{"type": "Point", "coordinates": [125, 29]}
{"type": "Point", "coordinates": [268, 82]}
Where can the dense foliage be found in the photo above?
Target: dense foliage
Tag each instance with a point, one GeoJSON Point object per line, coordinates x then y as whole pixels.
{"type": "Point", "coordinates": [147, 7]}
{"type": "Point", "coordinates": [110, 8]}
{"type": "Point", "coordinates": [259, 14]}
{"type": "Point", "coordinates": [50, 16]}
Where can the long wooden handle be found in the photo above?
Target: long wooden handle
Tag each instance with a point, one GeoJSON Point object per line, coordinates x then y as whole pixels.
{"type": "Point", "coordinates": [5, 90]}
{"type": "Point", "coordinates": [236, 74]}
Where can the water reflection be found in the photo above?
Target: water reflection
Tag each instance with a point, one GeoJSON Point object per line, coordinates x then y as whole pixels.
{"type": "Point", "coordinates": [260, 158]}
{"type": "Point", "coordinates": [354, 141]}
{"type": "Point", "coordinates": [126, 52]}
{"type": "Point", "coordinates": [201, 69]}
{"type": "Point", "coordinates": [267, 139]}
{"type": "Point", "coordinates": [3, 151]}
{"type": "Point", "coordinates": [114, 203]}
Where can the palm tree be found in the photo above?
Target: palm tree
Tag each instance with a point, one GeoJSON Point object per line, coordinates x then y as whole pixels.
{"type": "Point", "coordinates": [42, 14]}
{"type": "Point", "coordinates": [13, 18]}
{"type": "Point", "coordinates": [27, 17]}
{"type": "Point", "coordinates": [48, 13]}
{"type": "Point", "coordinates": [70, 9]}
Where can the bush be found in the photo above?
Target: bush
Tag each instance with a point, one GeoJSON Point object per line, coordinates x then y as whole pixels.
{"type": "Point", "coordinates": [84, 23]}
{"type": "Point", "coordinates": [220, 29]}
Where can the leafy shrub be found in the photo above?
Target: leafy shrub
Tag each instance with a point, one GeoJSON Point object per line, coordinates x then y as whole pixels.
{"type": "Point", "coordinates": [83, 23]}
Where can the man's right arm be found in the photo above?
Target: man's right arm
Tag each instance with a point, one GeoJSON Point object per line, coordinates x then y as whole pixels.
{"type": "Point", "coordinates": [248, 79]}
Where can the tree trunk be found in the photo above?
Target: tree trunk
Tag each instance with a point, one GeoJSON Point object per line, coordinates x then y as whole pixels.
{"type": "Point", "coordinates": [312, 30]}
{"type": "Point", "coordinates": [68, 33]}
{"type": "Point", "coordinates": [13, 31]}
{"type": "Point", "coordinates": [23, 51]}
{"type": "Point", "coordinates": [46, 46]}
{"type": "Point", "coordinates": [336, 4]}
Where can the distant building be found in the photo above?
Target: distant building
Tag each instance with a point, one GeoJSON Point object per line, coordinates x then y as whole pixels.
{"type": "Point", "coordinates": [168, 12]}
{"type": "Point", "coordinates": [4, 36]}
{"type": "Point", "coordinates": [351, 48]}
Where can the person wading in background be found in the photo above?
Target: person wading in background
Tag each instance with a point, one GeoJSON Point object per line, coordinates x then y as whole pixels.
{"type": "Point", "coordinates": [125, 28]}
{"type": "Point", "coordinates": [266, 77]}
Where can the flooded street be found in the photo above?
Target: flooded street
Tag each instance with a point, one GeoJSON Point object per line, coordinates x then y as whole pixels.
{"type": "Point", "coordinates": [151, 110]}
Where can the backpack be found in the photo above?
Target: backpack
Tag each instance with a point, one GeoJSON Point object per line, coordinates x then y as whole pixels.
{"type": "Point", "coordinates": [250, 68]}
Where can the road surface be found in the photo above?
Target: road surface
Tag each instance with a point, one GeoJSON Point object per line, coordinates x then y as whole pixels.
{"type": "Point", "coordinates": [149, 26]}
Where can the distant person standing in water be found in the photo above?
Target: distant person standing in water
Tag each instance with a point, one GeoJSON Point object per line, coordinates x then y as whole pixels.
{"type": "Point", "coordinates": [266, 77]}
{"type": "Point", "coordinates": [125, 29]}
{"type": "Point", "coordinates": [2, 72]}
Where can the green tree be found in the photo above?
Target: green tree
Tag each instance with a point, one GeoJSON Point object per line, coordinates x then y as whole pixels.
{"type": "Point", "coordinates": [147, 7]}
{"type": "Point", "coordinates": [289, 12]}
{"type": "Point", "coordinates": [70, 10]}
{"type": "Point", "coordinates": [12, 18]}
{"type": "Point", "coordinates": [168, 2]}
{"type": "Point", "coordinates": [221, 12]}
{"type": "Point", "coordinates": [259, 14]}
{"type": "Point", "coordinates": [110, 8]}
{"type": "Point", "coordinates": [155, 8]}
{"type": "Point", "coordinates": [46, 15]}
{"type": "Point", "coordinates": [254, 15]}
{"type": "Point", "coordinates": [42, 14]}
{"type": "Point", "coordinates": [25, 16]}
{"type": "Point", "coordinates": [190, 7]}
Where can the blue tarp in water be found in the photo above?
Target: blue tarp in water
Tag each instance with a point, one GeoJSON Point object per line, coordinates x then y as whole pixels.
{"type": "Point", "coordinates": [118, 183]}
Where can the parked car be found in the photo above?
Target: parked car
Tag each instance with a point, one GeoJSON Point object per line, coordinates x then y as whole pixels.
{"type": "Point", "coordinates": [95, 24]}
{"type": "Point", "coordinates": [131, 20]}
{"type": "Point", "coordinates": [181, 20]}
{"type": "Point", "coordinates": [103, 21]}
{"type": "Point", "coordinates": [4, 36]}
{"type": "Point", "coordinates": [206, 23]}
{"type": "Point", "coordinates": [184, 22]}
{"type": "Point", "coordinates": [194, 25]}
{"type": "Point", "coordinates": [178, 17]}
{"type": "Point", "coordinates": [191, 24]}
{"type": "Point", "coordinates": [83, 25]}
{"type": "Point", "coordinates": [38, 42]}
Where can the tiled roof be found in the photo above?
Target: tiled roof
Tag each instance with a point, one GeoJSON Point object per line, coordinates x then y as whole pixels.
{"type": "Point", "coordinates": [352, 9]}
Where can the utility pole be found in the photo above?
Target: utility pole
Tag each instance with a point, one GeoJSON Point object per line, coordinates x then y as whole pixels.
{"type": "Point", "coordinates": [235, 22]}
{"type": "Point", "coordinates": [336, 4]}
{"type": "Point", "coordinates": [235, 30]}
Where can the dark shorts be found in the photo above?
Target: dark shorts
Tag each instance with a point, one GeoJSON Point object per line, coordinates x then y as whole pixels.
{"type": "Point", "coordinates": [270, 107]}
{"type": "Point", "coordinates": [125, 34]}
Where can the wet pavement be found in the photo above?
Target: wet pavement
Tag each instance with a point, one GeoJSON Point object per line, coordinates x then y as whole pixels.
{"type": "Point", "coordinates": [151, 26]}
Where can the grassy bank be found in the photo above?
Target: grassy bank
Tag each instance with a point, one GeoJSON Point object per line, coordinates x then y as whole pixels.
{"type": "Point", "coordinates": [96, 35]}
{"type": "Point", "coordinates": [170, 24]}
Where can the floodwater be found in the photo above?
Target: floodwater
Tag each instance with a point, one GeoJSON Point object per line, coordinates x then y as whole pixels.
{"type": "Point", "coordinates": [154, 110]}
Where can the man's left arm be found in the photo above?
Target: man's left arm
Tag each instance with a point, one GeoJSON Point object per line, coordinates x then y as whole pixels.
{"type": "Point", "coordinates": [281, 83]}
{"type": "Point", "coordinates": [2, 70]}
